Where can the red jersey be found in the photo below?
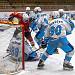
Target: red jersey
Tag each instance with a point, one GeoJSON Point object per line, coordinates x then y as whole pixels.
{"type": "Point", "coordinates": [21, 21]}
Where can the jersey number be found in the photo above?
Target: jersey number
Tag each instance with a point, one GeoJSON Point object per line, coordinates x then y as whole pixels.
{"type": "Point", "coordinates": [55, 30]}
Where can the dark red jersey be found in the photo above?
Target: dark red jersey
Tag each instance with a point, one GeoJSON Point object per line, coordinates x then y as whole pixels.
{"type": "Point", "coordinates": [21, 21]}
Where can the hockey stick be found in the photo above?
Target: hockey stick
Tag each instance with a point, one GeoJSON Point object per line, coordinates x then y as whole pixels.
{"type": "Point", "coordinates": [6, 55]}
{"type": "Point", "coordinates": [35, 51]}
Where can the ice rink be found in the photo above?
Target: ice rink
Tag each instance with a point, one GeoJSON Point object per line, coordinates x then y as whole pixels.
{"type": "Point", "coordinates": [53, 65]}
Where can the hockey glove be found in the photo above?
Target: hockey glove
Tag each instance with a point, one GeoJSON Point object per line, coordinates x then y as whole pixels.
{"type": "Point", "coordinates": [43, 44]}
{"type": "Point", "coordinates": [10, 18]}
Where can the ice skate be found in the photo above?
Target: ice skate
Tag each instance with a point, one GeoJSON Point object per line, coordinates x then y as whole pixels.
{"type": "Point", "coordinates": [40, 65]}
{"type": "Point", "coordinates": [56, 51]}
{"type": "Point", "coordinates": [68, 66]}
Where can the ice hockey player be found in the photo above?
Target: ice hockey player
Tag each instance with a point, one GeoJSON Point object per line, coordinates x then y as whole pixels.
{"type": "Point", "coordinates": [41, 23]}
{"type": "Point", "coordinates": [54, 15]}
{"type": "Point", "coordinates": [36, 15]}
{"type": "Point", "coordinates": [55, 36]}
{"type": "Point", "coordinates": [30, 14]}
{"type": "Point", "coordinates": [23, 19]}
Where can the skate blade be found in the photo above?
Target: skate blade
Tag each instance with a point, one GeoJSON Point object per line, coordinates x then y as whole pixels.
{"type": "Point", "coordinates": [40, 68]}
{"type": "Point", "coordinates": [68, 69]}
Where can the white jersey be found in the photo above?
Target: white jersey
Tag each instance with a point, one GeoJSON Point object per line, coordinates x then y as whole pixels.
{"type": "Point", "coordinates": [57, 28]}
{"type": "Point", "coordinates": [32, 14]}
{"type": "Point", "coordinates": [42, 21]}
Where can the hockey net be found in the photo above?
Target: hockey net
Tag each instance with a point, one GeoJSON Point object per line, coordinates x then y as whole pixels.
{"type": "Point", "coordinates": [9, 66]}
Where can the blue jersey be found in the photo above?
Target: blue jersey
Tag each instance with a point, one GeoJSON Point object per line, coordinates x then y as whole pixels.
{"type": "Point", "coordinates": [34, 22]}
{"type": "Point", "coordinates": [41, 21]}
{"type": "Point", "coordinates": [59, 28]}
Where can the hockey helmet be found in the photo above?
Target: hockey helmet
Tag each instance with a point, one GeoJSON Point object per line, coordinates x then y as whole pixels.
{"type": "Point", "coordinates": [25, 17]}
{"type": "Point", "coordinates": [27, 8]}
{"type": "Point", "coordinates": [61, 12]}
{"type": "Point", "coordinates": [37, 9]}
{"type": "Point", "coordinates": [55, 14]}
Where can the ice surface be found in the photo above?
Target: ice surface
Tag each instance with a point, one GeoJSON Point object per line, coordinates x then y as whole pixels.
{"type": "Point", "coordinates": [53, 65]}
